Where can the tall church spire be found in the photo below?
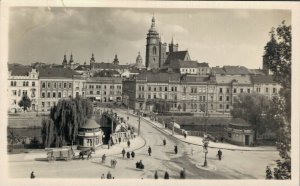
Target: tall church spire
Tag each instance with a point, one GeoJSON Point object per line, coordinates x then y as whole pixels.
{"type": "Point", "coordinates": [65, 62]}
{"type": "Point", "coordinates": [71, 58]}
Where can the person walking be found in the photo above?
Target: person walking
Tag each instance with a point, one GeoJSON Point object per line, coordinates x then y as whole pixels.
{"type": "Point", "coordinates": [103, 158]}
{"type": "Point", "coordinates": [102, 176]}
{"type": "Point", "coordinates": [32, 175]}
{"type": "Point", "coordinates": [108, 176]}
{"type": "Point", "coordinates": [156, 175]}
{"type": "Point", "coordinates": [164, 141]}
{"type": "Point", "coordinates": [123, 153]}
{"type": "Point", "coordinates": [175, 149]}
{"type": "Point", "coordinates": [220, 154]}
{"type": "Point", "coordinates": [128, 143]}
{"type": "Point", "coordinates": [128, 155]}
{"type": "Point", "coordinates": [166, 175]}
{"type": "Point", "coordinates": [149, 151]}
{"type": "Point", "coordinates": [132, 154]}
{"type": "Point", "coordinates": [182, 173]}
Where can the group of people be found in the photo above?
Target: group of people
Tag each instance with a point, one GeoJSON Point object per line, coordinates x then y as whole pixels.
{"type": "Point", "coordinates": [128, 154]}
{"type": "Point", "coordinates": [182, 174]}
{"type": "Point", "coordinates": [108, 176]}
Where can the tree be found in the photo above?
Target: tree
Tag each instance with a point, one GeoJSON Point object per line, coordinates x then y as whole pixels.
{"type": "Point", "coordinates": [252, 108]}
{"type": "Point", "coordinates": [61, 128]}
{"type": "Point", "coordinates": [277, 58]}
{"type": "Point", "coordinates": [25, 102]}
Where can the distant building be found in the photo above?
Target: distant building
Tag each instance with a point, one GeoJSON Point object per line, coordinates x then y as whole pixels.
{"type": "Point", "coordinates": [23, 80]}
{"type": "Point", "coordinates": [56, 84]}
{"type": "Point", "coordinates": [265, 85]}
{"type": "Point", "coordinates": [104, 89]}
{"type": "Point", "coordinates": [71, 64]}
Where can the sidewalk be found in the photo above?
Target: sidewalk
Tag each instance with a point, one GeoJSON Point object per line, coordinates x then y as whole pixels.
{"type": "Point", "coordinates": [38, 155]}
{"type": "Point", "coordinates": [195, 140]}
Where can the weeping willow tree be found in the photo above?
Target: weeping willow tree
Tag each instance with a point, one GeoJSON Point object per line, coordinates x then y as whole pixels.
{"type": "Point", "coordinates": [65, 119]}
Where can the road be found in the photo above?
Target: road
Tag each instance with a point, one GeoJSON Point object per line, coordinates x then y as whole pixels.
{"type": "Point", "coordinates": [235, 165]}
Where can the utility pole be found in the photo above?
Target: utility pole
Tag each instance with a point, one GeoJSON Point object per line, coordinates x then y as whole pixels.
{"type": "Point", "coordinates": [139, 127]}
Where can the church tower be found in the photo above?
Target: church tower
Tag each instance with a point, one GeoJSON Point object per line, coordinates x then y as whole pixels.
{"type": "Point", "coordinates": [173, 47]}
{"type": "Point", "coordinates": [116, 60]}
{"type": "Point", "coordinates": [65, 62]}
{"type": "Point", "coordinates": [152, 48]}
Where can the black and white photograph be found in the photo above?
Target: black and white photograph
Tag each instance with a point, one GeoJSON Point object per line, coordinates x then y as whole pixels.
{"type": "Point", "coordinates": [125, 90]}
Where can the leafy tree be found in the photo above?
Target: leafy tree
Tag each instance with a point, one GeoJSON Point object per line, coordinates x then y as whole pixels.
{"type": "Point", "coordinates": [65, 120]}
{"type": "Point", "coordinates": [252, 108]}
{"type": "Point", "coordinates": [161, 106]}
{"type": "Point", "coordinates": [277, 58]}
{"type": "Point", "coordinates": [25, 102]}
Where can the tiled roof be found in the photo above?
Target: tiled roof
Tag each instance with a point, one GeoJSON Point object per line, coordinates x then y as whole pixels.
{"type": "Point", "coordinates": [106, 73]}
{"type": "Point", "coordinates": [235, 70]}
{"type": "Point", "coordinates": [197, 79]}
{"type": "Point", "coordinates": [256, 72]}
{"type": "Point", "coordinates": [19, 70]}
{"type": "Point", "coordinates": [91, 124]}
{"type": "Point", "coordinates": [110, 66]}
{"type": "Point", "coordinates": [203, 64]}
{"type": "Point", "coordinates": [105, 79]}
{"type": "Point", "coordinates": [158, 77]}
{"type": "Point", "coordinates": [218, 70]}
{"type": "Point", "coordinates": [56, 73]}
{"type": "Point", "coordinates": [262, 79]}
{"type": "Point", "coordinates": [83, 67]}
{"type": "Point", "coordinates": [179, 55]}
{"type": "Point", "coordinates": [224, 79]}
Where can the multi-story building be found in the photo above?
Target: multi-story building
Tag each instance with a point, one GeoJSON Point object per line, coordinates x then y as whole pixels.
{"type": "Point", "coordinates": [265, 84]}
{"type": "Point", "coordinates": [23, 80]}
{"type": "Point", "coordinates": [56, 84]}
{"type": "Point", "coordinates": [104, 89]}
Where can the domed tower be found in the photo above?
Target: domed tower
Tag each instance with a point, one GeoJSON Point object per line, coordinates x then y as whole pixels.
{"type": "Point", "coordinates": [116, 60]}
{"type": "Point", "coordinates": [71, 59]}
{"type": "Point", "coordinates": [139, 62]}
{"type": "Point", "coordinates": [152, 47]}
{"type": "Point", "coordinates": [65, 62]}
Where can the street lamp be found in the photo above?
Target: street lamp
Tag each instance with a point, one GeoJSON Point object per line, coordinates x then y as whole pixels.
{"type": "Point", "coordinates": [205, 150]}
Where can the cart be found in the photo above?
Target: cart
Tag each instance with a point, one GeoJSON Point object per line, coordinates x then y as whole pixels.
{"type": "Point", "coordinates": [63, 153]}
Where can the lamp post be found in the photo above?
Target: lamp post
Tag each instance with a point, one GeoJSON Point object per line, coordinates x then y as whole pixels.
{"type": "Point", "coordinates": [173, 121]}
{"type": "Point", "coordinates": [205, 150]}
{"type": "Point", "coordinates": [139, 126]}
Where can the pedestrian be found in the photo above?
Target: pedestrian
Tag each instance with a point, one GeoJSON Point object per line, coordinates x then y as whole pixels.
{"type": "Point", "coordinates": [128, 143]}
{"type": "Point", "coordinates": [32, 175]}
{"type": "Point", "coordinates": [175, 149]}
{"type": "Point", "coordinates": [103, 158]}
{"type": "Point", "coordinates": [108, 176]}
{"type": "Point", "coordinates": [184, 134]}
{"type": "Point", "coordinates": [164, 141]}
{"type": "Point", "coordinates": [156, 175]}
{"type": "Point", "coordinates": [108, 144]}
{"type": "Point", "coordinates": [220, 154]}
{"type": "Point", "coordinates": [123, 152]}
{"type": "Point", "coordinates": [182, 173]}
{"type": "Point", "coordinates": [132, 154]}
{"type": "Point", "coordinates": [128, 155]}
{"type": "Point", "coordinates": [102, 176]}
{"type": "Point", "coordinates": [149, 151]}
{"type": "Point", "coordinates": [114, 163]}
{"type": "Point", "coordinates": [119, 139]}
{"type": "Point", "coordinates": [166, 175]}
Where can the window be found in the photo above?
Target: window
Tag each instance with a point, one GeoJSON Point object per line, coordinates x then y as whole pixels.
{"type": "Point", "coordinates": [257, 89]}
{"type": "Point", "coordinates": [274, 90]}
{"type": "Point", "coordinates": [241, 90]}
{"type": "Point", "coordinates": [104, 92]}
{"type": "Point", "coordinates": [221, 90]}
{"type": "Point", "coordinates": [54, 85]}
{"type": "Point", "coordinates": [49, 85]}
{"type": "Point", "coordinates": [24, 92]}
{"type": "Point", "coordinates": [175, 97]}
{"type": "Point", "coordinates": [43, 94]}
{"type": "Point", "coordinates": [211, 97]}
{"type": "Point", "coordinates": [200, 98]}
{"type": "Point", "coordinates": [59, 94]}
{"type": "Point", "coordinates": [267, 90]}
{"type": "Point", "coordinates": [43, 85]}
{"type": "Point", "coordinates": [59, 85]}
{"type": "Point", "coordinates": [149, 96]}
{"type": "Point", "coordinates": [91, 92]}
{"type": "Point", "coordinates": [234, 90]}
{"type": "Point", "coordinates": [98, 92]}
{"type": "Point", "coordinates": [70, 85]}
{"type": "Point", "coordinates": [154, 88]}
{"type": "Point", "coordinates": [227, 98]}
{"type": "Point", "coordinates": [227, 90]}
{"type": "Point", "coordinates": [221, 106]}
{"type": "Point", "coordinates": [227, 106]}
{"type": "Point", "coordinates": [160, 88]}
{"type": "Point", "coordinates": [149, 88]}
{"type": "Point", "coordinates": [53, 94]}
{"type": "Point", "coordinates": [15, 83]}
{"type": "Point", "coordinates": [33, 84]}
{"type": "Point", "coordinates": [11, 83]}
{"type": "Point", "coordinates": [65, 85]}
{"type": "Point", "coordinates": [24, 84]}
{"type": "Point", "coordinates": [154, 50]}
{"type": "Point", "coordinates": [43, 104]}
{"type": "Point", "coordinates": [220, 98]}
{"type": "Point", "coordinates": [166, 96]}
{"type": "Point", "coordinates": [204, 98]}
{"type": "Point", "coordinates": [166, 88]}
{"type": "Point", "coordinates": [48, 95]}
{"type": "Point", "coordinates": [154, 96]}
{"type": "Point", "coordinates": [104, 86]}
{"type": "Point", "coordinates": [14, 92]}
{"type": "Point", "coordinates": [248, 90]}
{"type": "Point", "coordinates": [175, 89]}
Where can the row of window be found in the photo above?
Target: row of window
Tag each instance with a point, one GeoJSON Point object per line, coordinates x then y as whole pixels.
{"type": "Point", "coordinates": [25, 83]}
{"type": "Point", "coordinates": [55, 94]}
{"type": "Point", "coordinates": [22, 93]}
{"type": "Point", "coordinates": [56, 85]}
{"type": "Point", "coordinates": [105, 93]}
{"type": "Point", "coordinates": [258, 89]}
{"type": "Point", "coordinates": [173, 89]}
{"type": "Point", "coordinates": [104, 86]}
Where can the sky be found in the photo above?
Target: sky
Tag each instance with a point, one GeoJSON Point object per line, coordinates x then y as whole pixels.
{"type": "Point", "coordinates": [216, 36]}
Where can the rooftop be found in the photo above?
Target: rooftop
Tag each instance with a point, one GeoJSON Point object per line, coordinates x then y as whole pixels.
{"type": "Point", "coordinates": [231, 70]}
{"type": "Point", "coordinates": [262, 79]}
{"type": "Point", "coordinates": [56, 72]}
{"type": "Point", "coordinates": [90, 124]}
{"type": "Point", "coordinates": [159, 77]}
{"type": "Point", "coordinates": [19, 70]}
{"type": "Point", "coordinates": [179, 55]}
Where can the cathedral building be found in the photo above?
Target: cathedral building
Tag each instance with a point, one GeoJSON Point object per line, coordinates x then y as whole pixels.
{"type": "Point", "coordinates": [157, 56]}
